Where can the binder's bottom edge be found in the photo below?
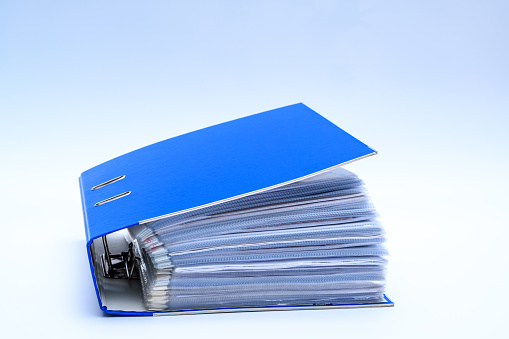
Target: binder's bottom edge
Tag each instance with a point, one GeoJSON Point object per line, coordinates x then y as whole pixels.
{"type": "Point", "coordinates": [386, 303]}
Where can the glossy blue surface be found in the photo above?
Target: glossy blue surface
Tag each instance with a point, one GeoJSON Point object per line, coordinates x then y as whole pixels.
{"type": "Point", "coordinates": [213, 164]}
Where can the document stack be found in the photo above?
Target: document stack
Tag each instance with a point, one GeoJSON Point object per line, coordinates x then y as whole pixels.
{"type": "Point", "coordinates": [253, 214]}
{"type": "Point", "coordinates": [312, 242]}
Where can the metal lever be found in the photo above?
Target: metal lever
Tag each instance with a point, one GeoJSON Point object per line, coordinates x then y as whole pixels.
{"type": "Point", "coordinates": [119, 266]}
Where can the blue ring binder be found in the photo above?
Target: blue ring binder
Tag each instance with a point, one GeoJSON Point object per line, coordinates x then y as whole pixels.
{"type": "Point", "coordinates": [204, 168]}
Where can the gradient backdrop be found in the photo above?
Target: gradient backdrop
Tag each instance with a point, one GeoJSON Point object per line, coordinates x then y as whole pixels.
{"type": "Point", "coordinates": [423, 82]}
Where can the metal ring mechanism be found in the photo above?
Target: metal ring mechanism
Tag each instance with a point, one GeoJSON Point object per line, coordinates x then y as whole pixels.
{"type": "Point", "coordinates": [120, 266]}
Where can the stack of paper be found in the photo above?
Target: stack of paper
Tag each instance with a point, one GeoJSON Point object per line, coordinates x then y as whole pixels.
{"type": "Point", "coordinates": [316, 241]}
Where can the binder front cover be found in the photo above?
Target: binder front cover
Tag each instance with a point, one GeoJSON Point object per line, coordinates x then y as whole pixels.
{"type": "Point", "coordinates": [213, 164]}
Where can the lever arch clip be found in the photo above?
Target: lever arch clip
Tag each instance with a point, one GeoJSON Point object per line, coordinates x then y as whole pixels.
{"type": "Point", "coordinates": [119, 266]}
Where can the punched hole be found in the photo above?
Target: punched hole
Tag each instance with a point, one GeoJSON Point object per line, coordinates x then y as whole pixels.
{"type": "Point", "coordinates": [112, 198]}
{"type": "Point", "coordinates": [108, 182]}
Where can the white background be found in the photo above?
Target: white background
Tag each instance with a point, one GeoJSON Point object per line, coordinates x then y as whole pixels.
{"type": "Point", "coordinates": [423, 82]}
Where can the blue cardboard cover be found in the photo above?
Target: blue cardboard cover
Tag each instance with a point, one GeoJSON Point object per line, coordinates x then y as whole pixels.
{"type": "Point", "coordinates": [220, 162]}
